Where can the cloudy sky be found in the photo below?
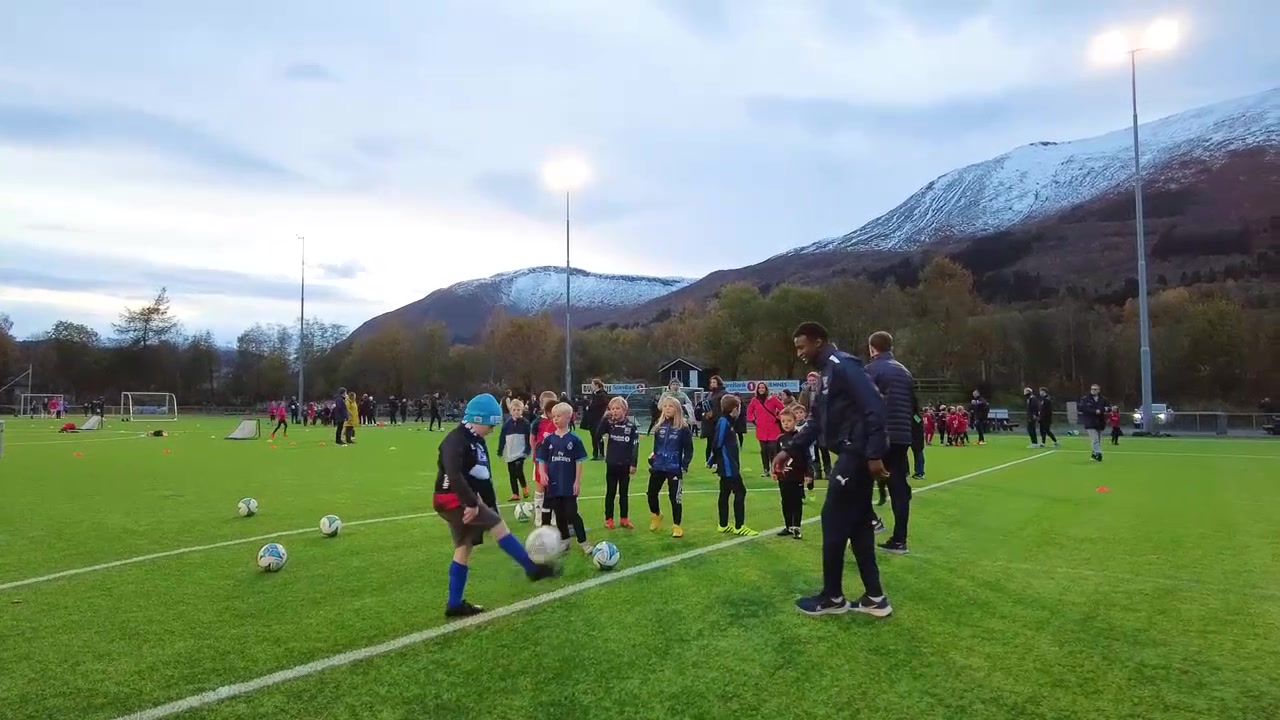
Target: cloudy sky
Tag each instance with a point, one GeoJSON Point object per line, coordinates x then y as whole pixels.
{"type": "Point", "coordinates": [187, 144]}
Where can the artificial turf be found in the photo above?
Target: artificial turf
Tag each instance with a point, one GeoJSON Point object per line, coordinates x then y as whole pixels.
{"type": "Point", "coordinates": [1028, 594]}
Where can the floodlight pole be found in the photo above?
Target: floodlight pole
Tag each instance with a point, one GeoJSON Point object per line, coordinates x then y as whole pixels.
{"type": "Point", "coordinates": [568, 327]}
{"type": "Point", "coordinates": [302, 323]}
{"type": "Point", "coordinates": [1144, 321]}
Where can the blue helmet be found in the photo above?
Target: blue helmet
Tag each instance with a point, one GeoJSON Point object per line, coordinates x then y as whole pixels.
{"type": "Point", "coordinates": [483, 410]}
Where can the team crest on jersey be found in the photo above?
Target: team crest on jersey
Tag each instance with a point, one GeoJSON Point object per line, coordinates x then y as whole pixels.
{"type": "Point", "coordinates": [481, 455]}
{"type": "Point", "coordinates": [569, 445]}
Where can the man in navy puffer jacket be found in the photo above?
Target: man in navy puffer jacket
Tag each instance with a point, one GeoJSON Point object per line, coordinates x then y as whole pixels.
{"type": "Point", "coordinates": [897, 386]}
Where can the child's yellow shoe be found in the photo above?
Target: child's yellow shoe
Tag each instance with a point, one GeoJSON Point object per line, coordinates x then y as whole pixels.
{"type": "Point", "coordinates": [655, 522]}
{"type": "Point", "coordinates": [723, 528]}
{"type": "Point", "coordinates": [676, 532]}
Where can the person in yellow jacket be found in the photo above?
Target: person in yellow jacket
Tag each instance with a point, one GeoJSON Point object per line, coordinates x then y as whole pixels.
{"type": "Point", "coordinates": [349, 426]}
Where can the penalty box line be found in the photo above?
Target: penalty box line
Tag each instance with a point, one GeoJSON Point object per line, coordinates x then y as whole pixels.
{"type": "Point", "coordinates": [352, 656]}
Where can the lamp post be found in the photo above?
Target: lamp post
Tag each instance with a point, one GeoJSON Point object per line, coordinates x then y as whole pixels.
{"type": "Point", "coordinates": [1109, 47]}
{"type": "Point", "coordinates": [566, 175]}
{"type": "Point", "coordinates": [302, 322]}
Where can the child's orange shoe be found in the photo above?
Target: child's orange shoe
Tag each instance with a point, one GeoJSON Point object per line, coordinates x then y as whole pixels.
{"type": "Point", "coordinates": [514, 497]}
{"type": "Point", "coordinates": [526, 493]}
{"type": "Point", "coordinates": [609, 523]}
{"type": "Point", "coordinates": [627, 524]}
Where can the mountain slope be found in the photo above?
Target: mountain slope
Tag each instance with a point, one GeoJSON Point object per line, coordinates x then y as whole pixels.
{"type": "Point", "coordinates": [465, 307]}
{"type": "Point", "coordinates": [1038, 181]}
{"type": "Point", "coordinates": [1049, 216]}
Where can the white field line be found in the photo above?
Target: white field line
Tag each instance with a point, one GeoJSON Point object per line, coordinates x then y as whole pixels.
{"type": "Point", "coordinates": [1229, 456]}
{"type": "Point", "coordinates": [77, 441]}
{"type": "Point", "coordinates": [228, 543]}
{"type": "Point", "coordinates": [352, 656]}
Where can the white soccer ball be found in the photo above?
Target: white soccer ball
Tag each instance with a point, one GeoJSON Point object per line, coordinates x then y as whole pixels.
{"type": "Point", "coordinates": [330, 525]}
{"type": "Point", "coordinates": [543, 545]}
{"type": "Point", "coordinates": [272, 557]}
{"type": "Point", "coordinates": [247, 507]}
{"type": "Point", "coordinates": [606, 555]}
{"type": "Point", "coordinates": [523, 511]}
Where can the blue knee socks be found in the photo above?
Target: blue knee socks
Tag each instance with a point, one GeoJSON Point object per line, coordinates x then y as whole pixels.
{"type": "Point", "coordinates": [457, 582]}
{"type": "Point", "coordinates": [511, 546]}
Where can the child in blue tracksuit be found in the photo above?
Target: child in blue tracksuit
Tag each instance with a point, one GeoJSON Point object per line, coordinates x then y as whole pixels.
{"type": "Point", "coordinates": [513, 443]}
{"type": "Point", "coordinates": [672, 453]}
{"type": "Point", "coordinates": [726, 459]}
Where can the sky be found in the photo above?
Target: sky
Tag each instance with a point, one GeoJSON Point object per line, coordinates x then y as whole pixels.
{"type": "Point", "coordinates": [189, 145]}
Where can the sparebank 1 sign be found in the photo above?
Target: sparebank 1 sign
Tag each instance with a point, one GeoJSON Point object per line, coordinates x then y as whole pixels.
{"type": "Point", "coordinates": [617, 388]}
{"type": "Point", "coordinates": [748, 387]}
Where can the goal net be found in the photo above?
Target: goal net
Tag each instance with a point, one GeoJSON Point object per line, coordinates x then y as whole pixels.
{"type": "Point", "coordinates": [37, 405]}
{"type": "Point", "coordinates": [148, 406]}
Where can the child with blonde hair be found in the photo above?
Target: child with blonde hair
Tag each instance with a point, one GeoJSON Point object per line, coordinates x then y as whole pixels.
{"type": "Point", "coordinates": [513, 443]}
{"type": "Point", "coordinates": [621, 437]}
{"type": "Point", "coordinates": [560, 458]}
{"type": "Point", "coordinates": [542, 427]}
{"type": "Point", "coordinates": [672, 453]}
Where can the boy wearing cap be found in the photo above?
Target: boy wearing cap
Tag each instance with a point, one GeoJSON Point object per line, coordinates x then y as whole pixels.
{"type": "Point", "coordinates": [464, 499]}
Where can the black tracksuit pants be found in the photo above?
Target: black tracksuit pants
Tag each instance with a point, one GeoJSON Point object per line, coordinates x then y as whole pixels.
{"type": "Point", "coordinates": [617, 480]}
{"type": "Point", "coordinates": [846, 520]}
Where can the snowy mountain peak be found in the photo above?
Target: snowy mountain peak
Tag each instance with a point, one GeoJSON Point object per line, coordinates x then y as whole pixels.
{"type": "Point", "coordinates": [533, 290]}
{"type": "Point", "coordinates": [1038, 181]}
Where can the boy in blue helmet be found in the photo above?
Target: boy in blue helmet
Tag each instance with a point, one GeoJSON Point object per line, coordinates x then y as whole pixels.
{"type": "Point", "coordinates": [463, 481]}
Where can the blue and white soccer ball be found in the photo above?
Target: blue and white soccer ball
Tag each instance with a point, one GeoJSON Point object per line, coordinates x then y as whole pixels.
{"type": "Point", "coordinates": [330, 525]}
{"type": "Point", "coordinates": [247, 507]}
{"type": "Point", "coordinates": [606, 555]}
{"type": "Point", "coordinates": [522, 511]}
{"type": "Point", "coordinates": [543, 545]}
{"type": "Point", "coordinates": [272, 557]}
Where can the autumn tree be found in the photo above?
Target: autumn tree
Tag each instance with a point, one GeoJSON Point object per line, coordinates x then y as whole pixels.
{"type": "Point", "coordinates": [149, 324]}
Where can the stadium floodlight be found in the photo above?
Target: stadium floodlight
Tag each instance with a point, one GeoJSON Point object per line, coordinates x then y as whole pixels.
{"type": "Point", "coordinates": [1109, 47]}
{"type": "Point", "coordinates": [148, 406]}
{"type": "Point", "coordinates": [565, 175]}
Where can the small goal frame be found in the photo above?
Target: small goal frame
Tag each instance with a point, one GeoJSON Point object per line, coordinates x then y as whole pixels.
{"type": "Point", "coordinates": [127, 407]}
{"type": "Point", "coordinates": [28, 409]}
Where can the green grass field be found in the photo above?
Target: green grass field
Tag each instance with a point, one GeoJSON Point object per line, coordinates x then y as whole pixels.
{"type": "Point", "coordinates": [1028, 593]}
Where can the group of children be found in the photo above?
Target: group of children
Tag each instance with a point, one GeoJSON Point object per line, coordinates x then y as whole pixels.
{"type": "Point", "coordinates": [950, 424]}
{"type": "Point", "coordinates": [558, 454]}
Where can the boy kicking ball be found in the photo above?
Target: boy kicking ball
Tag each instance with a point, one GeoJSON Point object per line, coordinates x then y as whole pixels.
{"type": "Point", "coordinates": [463, 459]}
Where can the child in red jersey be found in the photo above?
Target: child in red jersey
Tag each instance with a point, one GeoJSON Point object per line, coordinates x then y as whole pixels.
{"type": "Point", "coordinates": [1113, 419]}
{"type": "Point", "coordinates": [962, 419]}
{"type": "Point", "coordinates": [541, 429]}
{"type": "Point", "coordinates": [927, 416]}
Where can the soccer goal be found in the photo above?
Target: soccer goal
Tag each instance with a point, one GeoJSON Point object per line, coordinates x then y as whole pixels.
{"type": "Point", "coordinates": [38, 405]}
{"type": "Point", "coordinates": [148, 406]}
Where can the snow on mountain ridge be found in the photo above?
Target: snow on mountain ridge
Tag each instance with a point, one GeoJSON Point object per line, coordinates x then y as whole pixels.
{"type": "Point", "coordinates": [1042, 179]}
{"type": "Point", "coordinates": [533, 290]}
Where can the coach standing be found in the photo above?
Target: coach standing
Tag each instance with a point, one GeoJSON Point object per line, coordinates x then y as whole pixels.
{"type": "Point", "coordinates": [981, 410]}
{"type": "Point", "coordinates": [597, 406]}
{"type": "Point", "coordinates": [1093, 415]}
{"type": "Point", "coordinates": [848, 418]}
{"type": "Point", "coordinates": [897, 387]}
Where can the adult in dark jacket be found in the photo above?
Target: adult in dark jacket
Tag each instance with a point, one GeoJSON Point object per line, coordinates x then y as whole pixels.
{"type": "Point", "coordinates": [848, 418]}
{"type": "Point", "coordinates": [594, 416]}
{"type": "Point", "coordinates": [1033, 416]}
{"type": "Point", "coordinates": [981, 409]}
{"type": "Point", "coordinates": [339, 415]}
{"type": "Point", "coordinates": [822, 459]}
{"type": "Point", "coordinates": [1092, 409]}
{"type": "Point", "coordinates": [1046, 419]}
{"type": "Point", "coordinates": [711, 413]}
{"type": "Point", "coordinates": [897, 386]}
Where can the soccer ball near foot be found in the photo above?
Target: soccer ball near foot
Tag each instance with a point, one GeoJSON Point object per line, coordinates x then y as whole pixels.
{"type": "Point", "coordinates": [543, 545]}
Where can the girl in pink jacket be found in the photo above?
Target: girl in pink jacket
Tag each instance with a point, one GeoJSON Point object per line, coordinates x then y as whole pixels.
{"type": "Point", "coordinates": [763, 413]}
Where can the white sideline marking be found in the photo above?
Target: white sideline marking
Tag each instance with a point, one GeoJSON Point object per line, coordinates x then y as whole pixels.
{"type": "Point", "coordinates": [228, 543]}
{"type": "Point", "coordinates": [352, 656]}
{"type": "Point", "coordinates": [1121, 453]}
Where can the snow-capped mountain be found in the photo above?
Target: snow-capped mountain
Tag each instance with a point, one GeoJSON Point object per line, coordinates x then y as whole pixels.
{"type": "Point", "coordinates": [466, 306]}
{"type": "Point", "coordinates": [533, 290]}
{"type": "Point", "coordinates": [1041, 180]}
